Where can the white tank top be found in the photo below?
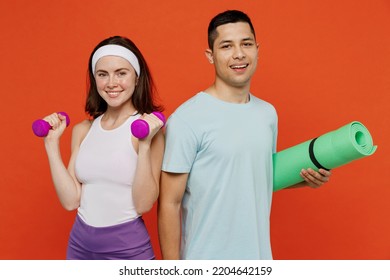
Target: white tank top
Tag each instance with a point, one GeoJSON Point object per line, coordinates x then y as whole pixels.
{"type": "Point", "coordinates": [105, 165]}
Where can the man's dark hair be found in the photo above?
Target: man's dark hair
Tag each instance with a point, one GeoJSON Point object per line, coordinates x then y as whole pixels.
{"type": "Point", "coordinates": [229, 16]}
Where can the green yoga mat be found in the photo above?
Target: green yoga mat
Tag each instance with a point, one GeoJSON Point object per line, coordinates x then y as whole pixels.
{"type": "Point", "coordinates": [331, 150]}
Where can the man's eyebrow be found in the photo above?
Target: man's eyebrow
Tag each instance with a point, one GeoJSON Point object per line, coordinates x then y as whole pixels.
{"type": "Point", "coordinates": [225, 41]}
{"type": "Point", "coordinates": [229, 41]}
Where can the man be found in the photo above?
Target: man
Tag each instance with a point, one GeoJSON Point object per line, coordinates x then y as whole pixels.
{"type": "Point", "coordinates": [217, 168]}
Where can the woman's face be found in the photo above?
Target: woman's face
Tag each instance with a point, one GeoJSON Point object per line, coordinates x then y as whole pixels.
{"type": "Point", "coordinates": [115, 80]}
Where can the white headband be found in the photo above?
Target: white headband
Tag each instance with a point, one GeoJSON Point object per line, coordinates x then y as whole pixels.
{"type": "Point", "coordinates": [116, 50]}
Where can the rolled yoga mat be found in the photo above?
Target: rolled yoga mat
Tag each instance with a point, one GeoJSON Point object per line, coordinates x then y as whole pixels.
{"type": "Point", "coordinates": [331, 150]}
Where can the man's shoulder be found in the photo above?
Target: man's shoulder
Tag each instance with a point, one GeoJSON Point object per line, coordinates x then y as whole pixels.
{"type": "Point", "coordinates": [261, 102]}
{"type": "Point", "coordinates": [193, 103]}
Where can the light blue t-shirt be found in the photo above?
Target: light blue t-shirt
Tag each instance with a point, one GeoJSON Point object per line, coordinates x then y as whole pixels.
{"type": "Point", "coordinates": [227, 150]}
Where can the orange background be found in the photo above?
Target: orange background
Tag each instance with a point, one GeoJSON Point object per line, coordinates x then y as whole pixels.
{"type": "Point", "coordinates": [322, 64]}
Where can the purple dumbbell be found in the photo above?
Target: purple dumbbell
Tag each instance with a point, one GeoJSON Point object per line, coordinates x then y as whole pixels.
{"type": "Point", "coordinates": [41, 127]}
{"type": "Point", "coordinates": [140, 128]}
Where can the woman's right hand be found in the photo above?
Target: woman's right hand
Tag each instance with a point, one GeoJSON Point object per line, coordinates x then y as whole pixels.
{"type": "Point", "coordinates": [58, 125]}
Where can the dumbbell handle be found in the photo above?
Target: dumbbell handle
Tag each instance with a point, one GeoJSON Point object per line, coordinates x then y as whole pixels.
{"type": "Point", "coordinates": [140, 128]}
{"type": "Point", "coordinates": [41, 127]}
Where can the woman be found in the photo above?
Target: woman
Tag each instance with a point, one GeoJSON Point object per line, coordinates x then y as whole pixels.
{"type": "Point", "coordinates": [112, 177]}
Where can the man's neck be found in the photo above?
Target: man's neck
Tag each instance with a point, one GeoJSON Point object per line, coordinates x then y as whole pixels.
{"type": "Point", "coordinates": [229, 94]}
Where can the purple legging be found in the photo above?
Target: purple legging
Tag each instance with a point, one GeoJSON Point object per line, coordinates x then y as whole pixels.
{"type": "Point", "coordinates": [127, 241]}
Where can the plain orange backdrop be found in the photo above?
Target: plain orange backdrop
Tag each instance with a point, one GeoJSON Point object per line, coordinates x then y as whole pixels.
{"type": "Point", "coordinates": [322, 64]}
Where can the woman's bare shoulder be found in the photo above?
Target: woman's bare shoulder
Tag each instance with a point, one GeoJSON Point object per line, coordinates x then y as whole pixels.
{"type": "Point", "coordinates": [80, 130]}
{"type": "Point", "coordinates": [85, 124]}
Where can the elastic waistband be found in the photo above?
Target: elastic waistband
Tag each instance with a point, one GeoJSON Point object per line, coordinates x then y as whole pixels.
{"type": "Point", "coordinates": [131, 235]}
{"type": "Point", "coordinates": [131, 223]}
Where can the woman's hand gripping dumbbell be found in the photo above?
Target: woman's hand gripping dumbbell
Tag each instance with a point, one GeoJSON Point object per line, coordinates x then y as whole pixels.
{"type": "Point", "coordinates": [140, 128]}
{"type": "Point", "coordinates": [42, 127]}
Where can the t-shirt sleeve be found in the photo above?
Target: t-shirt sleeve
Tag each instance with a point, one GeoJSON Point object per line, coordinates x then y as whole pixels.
{"type": "Point", "coordinates": [181, 146]}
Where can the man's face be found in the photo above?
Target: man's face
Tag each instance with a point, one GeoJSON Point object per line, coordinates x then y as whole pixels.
{"type": "Point", "coordinates": [234, 54]}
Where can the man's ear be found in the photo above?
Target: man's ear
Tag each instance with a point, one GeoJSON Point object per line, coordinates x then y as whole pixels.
{"type": "Point", "coordinates": [209, 55]}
